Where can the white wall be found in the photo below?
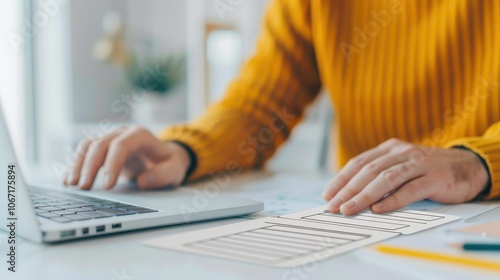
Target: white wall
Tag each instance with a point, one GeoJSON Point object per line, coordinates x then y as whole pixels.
{"type": "Point", "coordinates": [95, 83]}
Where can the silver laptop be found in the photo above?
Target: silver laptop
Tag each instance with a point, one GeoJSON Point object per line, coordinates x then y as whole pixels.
{"type": "Point", "coordinates": [53, 213]}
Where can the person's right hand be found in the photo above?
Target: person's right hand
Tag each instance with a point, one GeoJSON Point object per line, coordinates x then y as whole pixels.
{"type": "Point", "coordinates": [135, 153]}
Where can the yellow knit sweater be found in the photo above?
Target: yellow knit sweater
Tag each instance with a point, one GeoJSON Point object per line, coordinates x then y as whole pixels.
{"type": "Point", "coordinates": [426, 71]}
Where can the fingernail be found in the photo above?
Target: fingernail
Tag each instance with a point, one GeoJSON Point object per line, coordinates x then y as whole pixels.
{"type": "Point", "coordinates": [84, 180]}
{"type": "Point", "coordinates": [106, 180]}
{"type": "Point", "coordinates": [71, 177]}
{"type": "Point", "coordinates": [325, 195]}
{"type": "Point", "coordinates": [64, 179]}
{"type": "Point", "coordinates": [379, 205]}
{"type": "Point", "coordinates": [350, 204]}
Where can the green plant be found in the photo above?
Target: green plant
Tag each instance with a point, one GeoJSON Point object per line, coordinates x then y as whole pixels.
{"type": "Point", "coordinates": [159, 76]}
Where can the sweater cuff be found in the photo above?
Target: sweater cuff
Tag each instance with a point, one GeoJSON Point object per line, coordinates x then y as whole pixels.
{"type": "Point", "coordinates": [197, 143]}
{"type": "Point", "coordinates": [489, 150]}
{"type": "Point", "coordinates": [193, 159]}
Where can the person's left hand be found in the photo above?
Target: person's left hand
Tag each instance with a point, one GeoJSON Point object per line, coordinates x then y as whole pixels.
{"type": "Point", "coordinates": [397, 173]}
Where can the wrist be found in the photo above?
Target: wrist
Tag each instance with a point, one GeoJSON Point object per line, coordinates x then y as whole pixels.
{"type": "Point", "coordinates": [486, 179]}
{"type": "Point", "coordinates": [188, 158]}
{"type": "Point", "coordinates": [481, 174]}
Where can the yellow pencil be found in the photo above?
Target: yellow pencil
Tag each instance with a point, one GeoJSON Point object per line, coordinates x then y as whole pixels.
{"type": "Point", "coordinates": [432, 256]}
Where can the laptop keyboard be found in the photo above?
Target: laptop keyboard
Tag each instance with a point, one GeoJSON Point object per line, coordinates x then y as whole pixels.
{"type": "Point", "coordinates": [66, 207]}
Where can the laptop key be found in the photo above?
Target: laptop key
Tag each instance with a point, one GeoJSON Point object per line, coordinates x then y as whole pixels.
{"type": "Point", "coordinates": [48, 215]}
{"type": "Point", "coordinates": [129, 207]}
{"type": "Point", "coordinates": [48, 201]}
{"type": "Point", "coordinates": [63, 212]}
{"type": "Point", "coordinates": [115, 212]}
{"type": "Point", "coordinates": [73, 201]}
{"type": "Point", "coordinates": [61, 220]}
{"type": "Point", "coordinates": [116, 205]}
{"type": "Point", "coordinates": [80, 204]}
{"type": "Point", "coordinates": [76, 217]}
{"type": "Point", "coordinates": [94, 214]}
{"type": "Point", "coordinates": [58, 203]}
{"type": "Point", "coordinates": [80, 209]}
{"type": "Point", "coordinates": [98, 207]}
{"type": "Point", "coordinates": [49, 208]}
{"type": "Point", "coordinates": [105, 202]}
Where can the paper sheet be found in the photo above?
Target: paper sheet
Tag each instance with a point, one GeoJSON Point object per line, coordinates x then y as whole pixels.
{"type": "Point", "coordinates": [299, 238]}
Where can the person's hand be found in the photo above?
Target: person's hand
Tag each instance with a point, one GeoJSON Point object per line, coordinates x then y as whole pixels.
{"type": "Point", "coordinates": [135, 153]}
{"type": "Point", "coordinates": [397, 173]}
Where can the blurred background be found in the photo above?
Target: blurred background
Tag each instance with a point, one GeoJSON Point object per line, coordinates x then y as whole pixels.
{"type": "Point", "coordinates": [76, 69]}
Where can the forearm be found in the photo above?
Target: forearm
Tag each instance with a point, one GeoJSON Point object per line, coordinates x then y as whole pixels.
{"type": "Point", "coordinates": [226, 139]}
{"type": "Point", "coordinates": [263, 104]}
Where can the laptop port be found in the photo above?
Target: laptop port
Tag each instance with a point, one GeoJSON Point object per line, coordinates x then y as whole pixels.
{"type": "Point", "coordinates": [85, 230]}
{"type": "Point", "coordinates": [99, 228]}
{"type": "Point", "coordinates": [68, 233]}
{"type": "Point", "coordinates": [113, 226]}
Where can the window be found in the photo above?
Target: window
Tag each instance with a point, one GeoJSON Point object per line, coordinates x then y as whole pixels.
{"type": "Point", "coordinates": [13, 50]}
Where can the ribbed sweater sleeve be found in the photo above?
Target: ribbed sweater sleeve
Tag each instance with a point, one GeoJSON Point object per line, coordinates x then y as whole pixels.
{"type": "Point", "coordinates": [266, 100]}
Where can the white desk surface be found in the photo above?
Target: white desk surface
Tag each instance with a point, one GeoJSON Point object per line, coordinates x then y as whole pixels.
{"type": "Point", "coordinates": [123, 257]}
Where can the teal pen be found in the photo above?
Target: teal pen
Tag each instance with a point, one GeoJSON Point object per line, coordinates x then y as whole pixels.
{"type": "Point", "coordinates": [481, 246]}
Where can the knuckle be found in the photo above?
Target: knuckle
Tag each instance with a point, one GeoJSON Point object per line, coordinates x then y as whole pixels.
{"type": "Point", "coordinates": [390, 177]}
{"type": "Point", "coordinates": [96, 144]}
{"type": "Point", "coordinates": [392, 142]}
{"type": "Point", "coordinates": [339, 180]}
{"type": "Point", "coordinates": [120, 129]}
{"type": "Point", "coordinates": [141, 132]}
{"type": "Point", "coordinates": [357, 161]}
{"type": "Point", "coordinates": [371, 168]}
{"type": "Point", "coordinates": [411, 149]}
{"type": "Point", "coordinates": [402, 148]}
{"type": "Point", "coordinates": [82, 145]}
{"type": "Point", "coordinates": [412, 152]}
{"type": "Point", "coordinates": [416, 156]}
{"type": "Point", "coordinates": [137, 129]}
{"type": "Point", "coordinates": [119, 143]}
{"type": "Point", "coordinates": [406, 170]}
